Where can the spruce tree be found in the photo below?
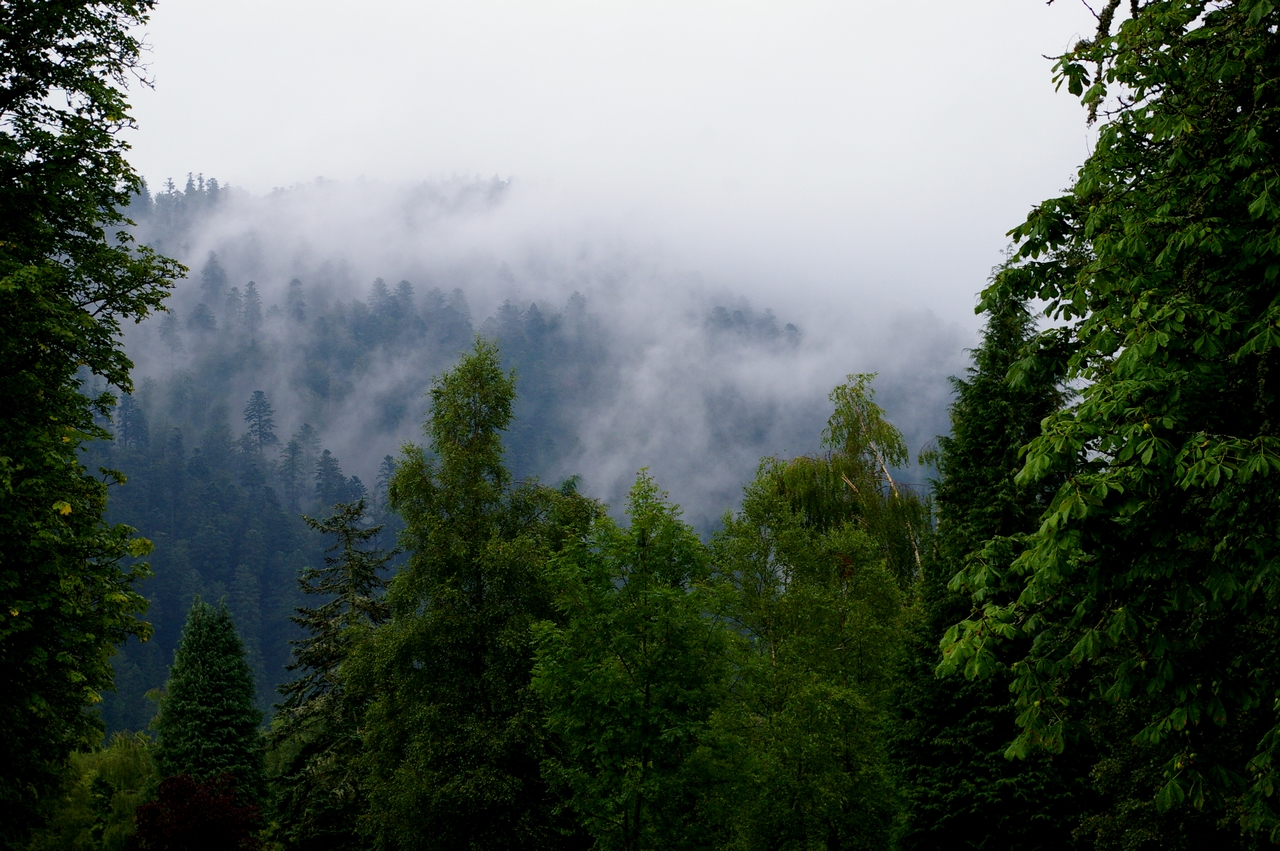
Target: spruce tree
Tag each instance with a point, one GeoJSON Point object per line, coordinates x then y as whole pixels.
{"type": "Point", "coordinates": [952, 733]}
{"type": "Point", "coordinates": [207, 723]}
{"type": "Point", "coordinates": [331, 485]}
{"type": "Point", "coordinates": [259, 416]}
{"type": "Point", "coordinates": [319, 796]}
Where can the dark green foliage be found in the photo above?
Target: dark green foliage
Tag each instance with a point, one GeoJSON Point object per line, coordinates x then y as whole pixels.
{"type": "Point", "coordinates": [952, 733]}
{"type": "Point", "coordinates": [316, 731]}
{"type": "Point", "coordinates": [1150, 591]}
{"type": "Point", "coordinates": [631, 677]}
{"type": "Point", "coordinates": [453, 738]}
{"type": "Point", "coordinates": [207, 725]}
{"type": "Point", "coordinates": [259, 417]}
{"type": "Point", "coordinates": [68, 281]}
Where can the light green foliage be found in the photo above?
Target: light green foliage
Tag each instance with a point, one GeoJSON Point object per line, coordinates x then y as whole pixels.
{"type": "Point", "coordinates": [66, 285]}
{"type": "Point", "coordinates": [815, 563]}
{"type": "Point", "coordinates": [103, 789]}
{"type": "Point", "coordinates": [207, 722]}
{"type": "Point", "coordinates": [453, 738]}
{"type": "Point", "coordinates": [855, 479]}
{"type": "Point", "coordinates": [630, 676]}
{"type": "Point", "coordinates": [315, 738]}
{"type": "Point", "coordinates": [1151, 586]}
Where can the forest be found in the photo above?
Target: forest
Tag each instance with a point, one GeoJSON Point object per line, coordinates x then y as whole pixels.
{"type": "Point", "coordinates": [298, 561]}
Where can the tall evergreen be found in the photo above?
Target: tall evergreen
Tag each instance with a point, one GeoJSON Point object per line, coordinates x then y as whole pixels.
{"type": "Point", "coordinates": [959, 787]}
{"type": "Point", "coordinates": [319, 799]}
{"type": "Point", "coordinates": [259, 417]}
{"type": "Point", "coordinates": [207, 723]}
{"type": "Point", "coordinates": [331, 485]}
{"type": "Point", "coordinates": [454, 740]}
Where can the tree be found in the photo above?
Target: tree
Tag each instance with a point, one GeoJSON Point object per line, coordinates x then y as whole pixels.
{"type": "Point", "coordinates": [69, 276]}
{"type": "Point", "coordinates": [331, 485]}
{"type": "Point", "coordinates": [213, 279]}
{"type": "Point", "coordinates": [207, 723]}
{"type": "Point", "coordinates": [815, 564]}
{"type": "Point", "coordinates": [103, 790]}
{"type": "Point", "coordinates": [1149, 590]}
{"type": "Point", "coordinates": [251, 312]}
{"type": "Point", "coordinates": [259, 416]}
{"type": "Point", "coordinates": [317, 726]}
{"type": "Point", "coordinates": [453, 737]}
{"type": "Point", "coordinates": [631, 677]}
{"type": "Point", "coordinates": [191, 815]}
{"type": "Point", "coordinates": [951, 733]}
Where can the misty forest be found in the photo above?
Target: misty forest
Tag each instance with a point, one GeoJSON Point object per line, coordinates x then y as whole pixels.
{"type": "Point", "coordinates": [319, 533]}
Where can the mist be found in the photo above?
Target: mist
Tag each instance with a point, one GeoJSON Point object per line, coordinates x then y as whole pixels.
{"type": "Point", "coordinates": [692, 368]}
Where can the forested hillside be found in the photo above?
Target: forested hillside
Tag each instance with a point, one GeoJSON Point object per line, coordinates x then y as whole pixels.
{"type": "Point", "coordinates": [614, 561]}
{"type": "Point", "coordinates": [258, 402]}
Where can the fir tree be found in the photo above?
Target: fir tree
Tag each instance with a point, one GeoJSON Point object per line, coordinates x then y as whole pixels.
{"type": "Point", "coordinates": [317, 725]}
{"type": "Point", "coordinates": [259, 416]}
{"type": "Point", "coordinates": [331, 485]}
{"type": "Point", "coordinates": [951, 737]}
{"type": "Point", "coordinates": [207, 723]}
{"type": "Point", "coordinates": [251, 310]}
{"type": "Point", "coordinates": [295, 303]}
{"type": "Point", "coordinates": [213, 279]}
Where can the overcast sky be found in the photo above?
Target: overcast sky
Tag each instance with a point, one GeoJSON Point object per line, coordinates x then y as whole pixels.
{"type": "Point", "coordinates": [844, 153]}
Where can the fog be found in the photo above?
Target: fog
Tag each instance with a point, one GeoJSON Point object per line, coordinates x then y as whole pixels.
{"type": "Point", "coordinates": [692, 374]}
{"type": "Point", "coordinates": [850, 167]}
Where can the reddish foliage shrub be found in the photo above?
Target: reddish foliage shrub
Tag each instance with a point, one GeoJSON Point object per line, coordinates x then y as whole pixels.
{"type": "Point", "coordinates": [188, 815]}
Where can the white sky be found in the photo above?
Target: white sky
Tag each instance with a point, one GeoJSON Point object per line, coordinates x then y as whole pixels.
{"type": "Point", "coordinates": [841, 153]}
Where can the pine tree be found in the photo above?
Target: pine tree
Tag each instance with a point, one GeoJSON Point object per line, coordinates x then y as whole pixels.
{"type": "Point", "coordinates": [951, 734]}
{"type": "Point", "coordinates": [207, 723]}
{"type": "Point", "coordinates": [319, 795]}
{"type": "Point", "coordinates": [292, 474]}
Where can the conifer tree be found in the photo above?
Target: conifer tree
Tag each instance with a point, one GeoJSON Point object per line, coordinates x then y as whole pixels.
{"type": "Point", "coordinates": [207, 724]}
{"type": "Point", "coordinates": [259, 416]}
{"type": "Point", "coordinates": [213, 279]}
{"type": "Point", "coordinates": [331, 485]}
{"type": "Point", "coordinates": [295, 302]}
{"type": "Point", "coordinates": [251, 311]}
{"type": "Point", "coordinates": [453, 738]}
{"type": "Point", "coordinates": [319, 796]}
{"type": "Point", "coordinates": [951, 734]}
